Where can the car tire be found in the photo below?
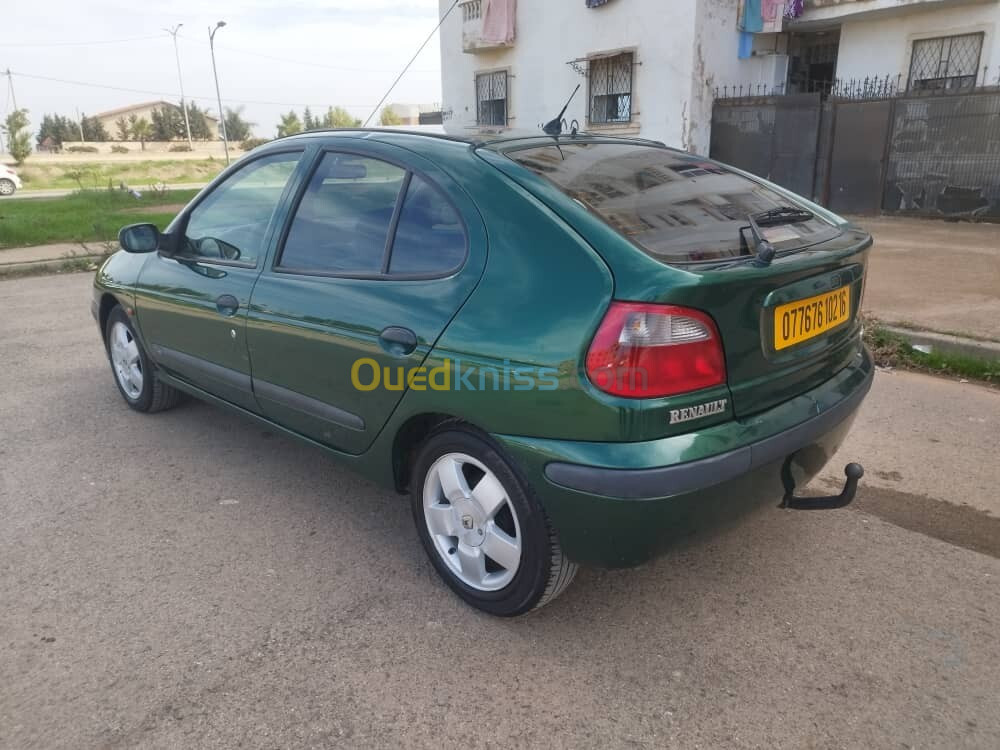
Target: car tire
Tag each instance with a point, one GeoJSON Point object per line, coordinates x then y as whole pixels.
{"type": "Point", "coordinates": [7, 187]}
{"type": "Point", "coordinates": [480, 523]}
{"type": "Point", "coordinates": [133, 372]}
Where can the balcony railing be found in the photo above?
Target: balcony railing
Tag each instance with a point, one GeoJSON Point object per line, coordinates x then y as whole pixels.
{"type": "Point", "coordinates": [473, 15]}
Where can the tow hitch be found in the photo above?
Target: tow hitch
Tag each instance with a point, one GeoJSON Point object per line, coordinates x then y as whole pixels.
{"type": "Point", "coordinates": [854, 472]}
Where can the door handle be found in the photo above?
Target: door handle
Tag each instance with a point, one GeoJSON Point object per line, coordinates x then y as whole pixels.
{"type": "Point", "coordinates": [398, 341]}
{"type": "Point", "coordinates": [227, 305]}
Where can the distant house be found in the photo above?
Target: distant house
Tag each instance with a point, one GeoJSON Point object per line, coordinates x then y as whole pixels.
{"type": "Point", "coordinates": [144, 110]}
{"type": "Point", "coordinates": [417, 114]}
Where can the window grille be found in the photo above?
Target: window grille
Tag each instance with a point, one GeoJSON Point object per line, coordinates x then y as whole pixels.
{"type": "Point", "coordinates": [946, 62]}
{"type": "Point", "coordinates": [611, 89]}
{"type": "Point", "coordinates": [491, 99]}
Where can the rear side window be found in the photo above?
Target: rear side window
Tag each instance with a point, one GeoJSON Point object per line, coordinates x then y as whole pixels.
{"type": "Point", "coordinates": [674, 206]}
{"type": "Point", "coordinates": [342, 223]}
{"type": "Point", "coordinates": [430, 238]}
{"type": "Point", "coordinates": [355, 209]}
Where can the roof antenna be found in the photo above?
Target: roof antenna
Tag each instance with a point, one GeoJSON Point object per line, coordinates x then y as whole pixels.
{"type": "Point", "coordinates": [555, 127]}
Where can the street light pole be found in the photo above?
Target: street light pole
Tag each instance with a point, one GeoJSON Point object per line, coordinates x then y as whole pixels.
{"type": "Point", "coordinates": [218, 96]}
{"type": "Point", "coordinates": [180, 78]}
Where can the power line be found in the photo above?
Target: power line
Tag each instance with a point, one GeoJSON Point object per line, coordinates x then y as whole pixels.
{"type": "Point", "coordinates": [174, 94]}
{"type": "Point", "coordinates": [82, 44]}
{"type": "Point", "coordinates": [412, 60]}
{"type": "Point", "coordinates": [306, 63]}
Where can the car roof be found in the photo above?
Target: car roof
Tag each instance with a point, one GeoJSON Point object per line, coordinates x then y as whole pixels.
{"type": "Point", "coordinates": [497, 142]}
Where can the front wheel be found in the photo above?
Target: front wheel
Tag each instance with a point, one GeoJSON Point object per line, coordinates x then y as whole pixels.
{"type": "Point", "coordinates": [482, 527]}
{"type": "Point", "coordinates": [7, 187]}
{"type": "Point", "coordinates": [134, 375]}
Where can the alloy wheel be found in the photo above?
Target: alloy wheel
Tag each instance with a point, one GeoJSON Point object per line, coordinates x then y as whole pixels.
{"type": "Point", "coordinates": [125, 359]}
{"type": "Point", "coordinates": [472, 522]}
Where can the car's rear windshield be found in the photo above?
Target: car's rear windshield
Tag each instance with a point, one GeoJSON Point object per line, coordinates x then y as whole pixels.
{"type": "Point", "coordinates": [676, 207]}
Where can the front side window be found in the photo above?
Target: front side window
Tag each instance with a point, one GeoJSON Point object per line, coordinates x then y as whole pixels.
{"type": "Point", "coordinates": [491, 99]}
{"type": "Point", "coordinates": [947, 62]}
{"type": "Point", "coordinates": [611, 89]}
{"type": "Point", "coordinates": [342, 223]}
{"type": "Point", "coordinates": [231, 223]}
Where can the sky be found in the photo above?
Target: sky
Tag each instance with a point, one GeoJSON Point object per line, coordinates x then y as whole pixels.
{"type": "Point", "coordinates": [332, 52]}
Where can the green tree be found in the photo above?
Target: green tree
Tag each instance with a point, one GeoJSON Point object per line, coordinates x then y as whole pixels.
{"type": "Point", "coordinates": [140, 129]}
{"type": "Point", "coordinates": [237, 129]}
{"type": "Point", "coordinates": [308, 123]}
{"type": "Point", "coordinates": [93, 129]}
{"type": "Point", "coordinates": [200, 129]}
{"type": "Point", "coordinates": [290, 124]}
{"type": "Point", "coordinates": [338, 117]}
{"type": "Point", "coordinates": [121, 129]}
{"type": "Point", "coordinates": [15, 127]}
{"type": "Point", "coordinates": [389, 117]}
{"type": "Point", "coordinates": [167, 123]}
{"type": "Point", "coordinates": [58, 128]}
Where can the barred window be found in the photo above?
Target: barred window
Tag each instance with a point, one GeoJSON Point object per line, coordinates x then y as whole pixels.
{"type": "Point", "coordinates": [946, 62]}
{"type": "Point", "coordinates": [611, 89]}
{"type": "Point", "coordinates": [491, 99]}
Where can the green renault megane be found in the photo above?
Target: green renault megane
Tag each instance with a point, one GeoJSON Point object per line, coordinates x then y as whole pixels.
{"type": "Point", "coordinates": [567, 350]}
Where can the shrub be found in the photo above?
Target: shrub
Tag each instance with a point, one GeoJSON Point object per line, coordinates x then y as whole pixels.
{"type": "Point", "coordinates": [251, 143]}
{"type": "Point", "coordinates": [116, 149]}
{"type": "Point", "coordinates": [177, 147]}
{"type": "Point", "coordinates": [83, 149]}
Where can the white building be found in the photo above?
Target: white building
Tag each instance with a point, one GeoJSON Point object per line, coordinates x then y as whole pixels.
{"type": "Point", "coordinates": [652, 68]}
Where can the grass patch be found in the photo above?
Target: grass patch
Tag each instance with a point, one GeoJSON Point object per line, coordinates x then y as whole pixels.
{"type": "Point", "coordinates": [98, 175]}
{"type": "Point", "coordinates": [87, 216]}
{"type": "Point", "coordinates": [892, 350]}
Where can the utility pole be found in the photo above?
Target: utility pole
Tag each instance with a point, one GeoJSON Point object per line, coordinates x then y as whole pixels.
{"type": "Point", "coordinates": [10, 85]}
{"type": "Point", "coordinates": [79, 121]}
{"type": "Point", "coordinates": [180, 79]}
{"type": "Point", "coordinates": [218, 96]}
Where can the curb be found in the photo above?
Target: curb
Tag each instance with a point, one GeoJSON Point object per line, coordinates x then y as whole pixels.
{"type": "Point", "coordinates": [42, 266]}
{"type": "Point", "coordinates": [988, 350]}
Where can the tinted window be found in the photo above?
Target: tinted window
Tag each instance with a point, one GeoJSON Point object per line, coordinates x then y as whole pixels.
{"type": "Point", "coordinates": [677, 207]}
{"type": "Point", "coordinates": [429, 237]}
{"type": "Point", "coordinates": [342, 223]}
{"type": "Point", "coordinates": [231, 223]}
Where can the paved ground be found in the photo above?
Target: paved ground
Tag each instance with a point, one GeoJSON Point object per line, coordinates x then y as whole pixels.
{"type": "Point", "coordinates": [938, 275]}
{"type": "Point", "coordinates": [191, 580]}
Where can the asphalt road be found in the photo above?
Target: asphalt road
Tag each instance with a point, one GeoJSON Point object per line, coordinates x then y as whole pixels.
{"type": "Point", "coordinates": [191, 580]}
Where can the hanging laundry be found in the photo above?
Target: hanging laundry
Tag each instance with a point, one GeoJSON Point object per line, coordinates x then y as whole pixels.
{"type": "Point", "coordinates": [752, 19]}
{"type": "Point", "coordinates": [772, 14]}
{"type": "Point", "coordinates": [794, 8]}
{"type": "Point", "coordinates": [498, 21]}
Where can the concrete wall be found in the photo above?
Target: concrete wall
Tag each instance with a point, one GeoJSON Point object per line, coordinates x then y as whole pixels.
{"type": "Point", "coordinates": [882, 45]}
{"type": "Point", "coordinates": [158, 148]}
{"type": "Point", "coordinates": [549, 34]}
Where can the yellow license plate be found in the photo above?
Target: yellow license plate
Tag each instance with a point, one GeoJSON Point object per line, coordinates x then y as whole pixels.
{"type": "Point", "coordinates": [805, 319]}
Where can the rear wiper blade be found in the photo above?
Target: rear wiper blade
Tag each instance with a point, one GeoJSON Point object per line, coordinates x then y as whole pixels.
{"type": "Point", "coordinates": [782, 215]}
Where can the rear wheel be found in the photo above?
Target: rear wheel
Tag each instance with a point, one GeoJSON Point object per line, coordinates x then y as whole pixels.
{"type": "Point", "coordinates": [134, 375]}
{"type": "Point", "coordinates": [481, 525]}
{"type": "Point", "coordinates": [7, 187]}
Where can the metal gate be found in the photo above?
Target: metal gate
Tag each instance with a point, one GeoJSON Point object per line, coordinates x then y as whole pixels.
{"type": "Point", "coordinates": [857, 156]}
{"type": "Point", "coordinates": [771, 136]}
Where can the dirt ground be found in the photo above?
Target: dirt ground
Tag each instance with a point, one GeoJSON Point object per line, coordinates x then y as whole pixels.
{"type": "Point", "coordinates": [936, 275]}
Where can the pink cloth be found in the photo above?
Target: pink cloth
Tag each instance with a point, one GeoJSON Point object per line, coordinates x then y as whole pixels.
{"type": "Point", "coordinates": [771, 10]}
{"type": "Point", "coordinates": [498, 21]}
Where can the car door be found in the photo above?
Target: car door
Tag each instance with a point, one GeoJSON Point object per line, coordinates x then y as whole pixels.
{"type": "Point", "coordinates": [192, 302]}
{"type": "Point", "coordinates": [379, 253]}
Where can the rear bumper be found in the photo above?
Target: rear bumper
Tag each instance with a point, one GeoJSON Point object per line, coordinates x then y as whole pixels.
{"type": "Point", "coordinates": [618, 504]}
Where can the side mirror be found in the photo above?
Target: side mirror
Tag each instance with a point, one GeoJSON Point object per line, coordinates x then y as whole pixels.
{"type": "Point", "coordinates": [139, 238]}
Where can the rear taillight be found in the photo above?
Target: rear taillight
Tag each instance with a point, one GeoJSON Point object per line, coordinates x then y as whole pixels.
{"type": "Point", "coordinates": [642, 350]}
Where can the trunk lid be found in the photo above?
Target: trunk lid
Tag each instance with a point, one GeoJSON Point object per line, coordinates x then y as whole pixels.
{"type": "Point", "coordinates": [671, 226]}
